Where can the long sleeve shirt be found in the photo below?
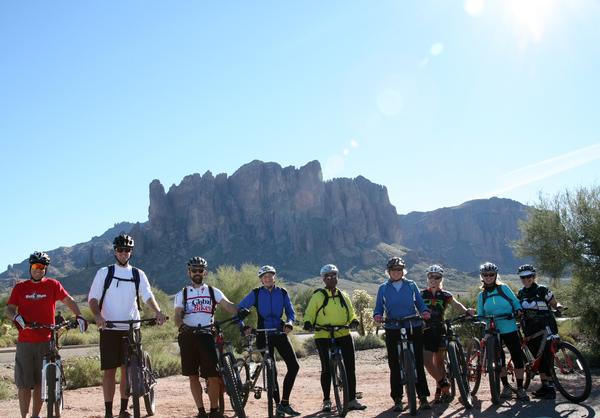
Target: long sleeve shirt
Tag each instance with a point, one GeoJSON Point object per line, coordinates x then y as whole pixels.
{"type": "Point", "coordinates": [396, 303]}
{"type": "Point", "coordinates": [270, 307]}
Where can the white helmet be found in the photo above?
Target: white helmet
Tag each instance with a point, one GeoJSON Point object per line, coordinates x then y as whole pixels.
{"type": "Point", "coordinates": [328, 268]}
{"type": "Point", "coordinates": [435, 268]}
{"type": "Point", "coordinates": [266, 269]}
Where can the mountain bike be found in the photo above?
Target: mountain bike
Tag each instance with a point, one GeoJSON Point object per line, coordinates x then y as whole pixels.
{"type": "Point", "coordinates": [485, 356]}
{"type": "Point", "coordinates": [570, 371]}
{"type": "Point", "coordinates": [53, 378]}
{"type": "Point", "coordinates": [230, 377]}
{"type": "Point", "coordinates": [140, 377]}
{"type": "Point", "coordinates": [250, 370]}
{"type": "Point", "coordinates": [339, 378]}
{"type": "Point", "coordinates": [406, 357]}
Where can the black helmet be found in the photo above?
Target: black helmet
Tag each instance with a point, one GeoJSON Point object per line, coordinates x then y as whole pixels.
{"type": "Point", "coordinates": [526, 270]}
{"type": "Point", "coordinates": [39, 257]}
{"type": "Point", "coordinates": [123, 241]}
{"type": "Point", "coordinates": [488, 267]}
{"type": "Point", "coordinates": [395, 262]}
{"type": "Point", "coordinates": [197, 262]}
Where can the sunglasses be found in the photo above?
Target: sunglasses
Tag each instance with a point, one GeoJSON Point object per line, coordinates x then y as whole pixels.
{"type": "Point", "coordinates": [197, 270]}
{"type": "Point", "coordinates": [531, 276]}
{"type": "Point", "coordinates": [38, 266]}
{"type": "Point", "coordinates": [397, 269]}
{"type": "Point", "coordinates": [123, 250]}
{"type": "Point", "coordinates": [330, 276]}
{"type": "Point", "coordinates": [435, 277]}
{"type": "Point", "coordinates": [488, 274]}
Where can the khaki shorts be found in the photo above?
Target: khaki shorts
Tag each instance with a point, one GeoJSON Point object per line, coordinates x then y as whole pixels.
{"type": "Point", "coordinates": [28, 364]}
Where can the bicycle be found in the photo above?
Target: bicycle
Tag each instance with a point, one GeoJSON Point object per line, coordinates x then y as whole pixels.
{"type": "Point", "coordinates": [570, 371]}
{"type": "Point", "coordinates": [454, 361]}
{"type": "Point", "coordinates": [339, 378]}
{"type": "Point", "coordinates": [53, 378]}
{"type": "Point", "coordinates": [230, 377]}
{"type": "Point", "coordinates": [251, 370]}
{"type": "Point", "coordinates": [484, 356]}
{"type": "Point", "coordinates": [140, 377]}
{"type": "Point", "coordinates": [406, 357]}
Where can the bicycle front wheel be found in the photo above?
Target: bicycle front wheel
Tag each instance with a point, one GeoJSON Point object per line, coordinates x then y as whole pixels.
{"type": "Point", "coordinates": [149, 400]}
{"type": "Point", "coordinates": [340, 384]}
{"type": "Point", "coordinates": [51, 389]}
{"type": "Point", "coordinates": [460, 372]}
{"type": "Point", "coordinates": [244, 372]}
{"type": "Point", "coordinates": [232, 384]}
{"type": "Point", "coordinates": [408, 365]}
{"type": "Point", "coordinates": [571, 373]}
{"type": "Point", "coordinates": [271, 377]}
{"type": "Point", "coordinates": [474, 359]}
{"type": "Point", "coordinates": [135, 382]}
{"type": "Point", "coordinates": [493, 368]}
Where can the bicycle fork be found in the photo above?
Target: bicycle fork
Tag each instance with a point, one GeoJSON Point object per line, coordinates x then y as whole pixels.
{"type": "Point", "coordinates": [57, 378]}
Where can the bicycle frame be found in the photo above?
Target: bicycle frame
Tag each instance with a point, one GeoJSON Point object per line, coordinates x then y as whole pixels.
{"type": "Point", "coordinates": [250, 384]}
{"type": "Point", "coordinates": [404, 343]}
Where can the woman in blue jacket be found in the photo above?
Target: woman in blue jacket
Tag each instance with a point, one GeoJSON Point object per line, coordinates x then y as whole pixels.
{"type": "Point", "coordinates": [398, 298]}
{"type": "Point", "coordinates": [496, 298]}
{"type": "Point", "coordinates": [271, 302]}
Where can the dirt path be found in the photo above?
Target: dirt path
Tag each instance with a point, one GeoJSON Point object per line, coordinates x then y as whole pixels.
{"type": "Point", "coordinates": [174, 398]}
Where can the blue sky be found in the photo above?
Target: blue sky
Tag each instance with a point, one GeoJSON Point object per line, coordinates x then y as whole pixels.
{"type": "Point", "coordinates": [441, 101]}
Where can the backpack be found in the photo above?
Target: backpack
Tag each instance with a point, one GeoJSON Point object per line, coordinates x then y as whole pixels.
{"type": "Point", "coordinates": [485, 295]}
{"type": "Point", "coordinates": [111, 275]}
{"type": "Point", "coordinates": [326, 301]}
{"type": "Point", "coordinates": [256, 291]}
{"type": "Point", "coordinates": [211, 293]}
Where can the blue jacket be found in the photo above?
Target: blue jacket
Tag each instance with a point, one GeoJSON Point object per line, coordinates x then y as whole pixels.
{"type": "Point", "coordinates": [495, 304]}
{"type": "Point", "coordinates": [397, 304]}
{"type": "Point", "coordinates": [271, 306]}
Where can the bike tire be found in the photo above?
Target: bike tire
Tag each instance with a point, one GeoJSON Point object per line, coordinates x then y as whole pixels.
{"type": "Point", "coordinates": [232, 384]}
{"type": "Point", "coordinates": [408, 365]}
{"type": "Point", "coordinates": [271, 377]}
{"type": "Point", "coordinates": [459, 373]}
{"type": "Point", "coordinates": [474, 359]}
{"type": "Point", "coordinates": [450, 375]}
{"type": "Point", "coordinates": [571, 373]}
{"type": "Point", "coordinates": [59, 404]}
{"type": "Point", "coordinates": [493, 368]}
{"type": "Point", "coordinates": [135, 380]}
{"type": "Point", "coordinates": [149, 397]}
{"type": "Point", "coordinates": [51, 389]}
{"type": "Point", "coordinates": [340, 384]}
{"type": "Point", "coordinates": [244, 371]}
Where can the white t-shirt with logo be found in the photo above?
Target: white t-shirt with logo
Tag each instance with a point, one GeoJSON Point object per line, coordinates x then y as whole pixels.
{"type": "Point", "coordinates": [198, 309]}
{"type": "Point", "coordinates": [120, 299]}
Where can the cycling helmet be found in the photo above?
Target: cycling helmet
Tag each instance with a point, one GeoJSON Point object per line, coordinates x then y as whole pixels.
{"type": "Point", "coordinates": [266, 269]}
{"type": "Point", "coordinates": [39, 257]}
{"type": "Point", "coordinates": [123, 241]}
{"type": "Point", "coordinates": [329, 268]}
{"type": "Point", "coordinates": [488, 267]}
{"type": "Point", "coordinates": [526, 270]}
{"type": "Point", "coordinates": [395, 262]}
{"type": "Point", "coordinates": [435, 269]}
{"type": "Point", "coordinates": [197, 262]}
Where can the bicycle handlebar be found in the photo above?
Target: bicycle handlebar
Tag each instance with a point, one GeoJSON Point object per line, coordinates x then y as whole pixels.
{"type": "Point", "coordinates": [149, 321]}
{"type": "Point", "coordinates": [329, 327]}
{"type": "Point", "coordinates": [399, 321]}
{"type": "Point", "coordinates": [66, 324]}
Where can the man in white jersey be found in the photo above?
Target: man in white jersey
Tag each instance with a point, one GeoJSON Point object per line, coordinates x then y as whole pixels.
{"type": "Point", "coordinates": [114, 296]}
{"type": "Point", "coordinates": [195, 306]}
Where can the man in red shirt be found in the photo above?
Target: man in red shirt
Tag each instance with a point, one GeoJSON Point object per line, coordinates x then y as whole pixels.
{"type": "Point", "coordinates": [34, 300]}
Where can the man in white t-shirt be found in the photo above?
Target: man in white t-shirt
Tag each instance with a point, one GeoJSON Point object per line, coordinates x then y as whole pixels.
{"type": "Point", "coordinates": [195, 305]}
{"type": "Point", "coordinates": [114, 296]}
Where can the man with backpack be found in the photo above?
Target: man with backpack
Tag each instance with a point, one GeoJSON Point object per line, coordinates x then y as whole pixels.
{"type": "Point", "coordinates": [270, 302]}
{"type": "Point", "coordinates": [115, 296]}
{"type": "Point", "coordinates": [195, 306]}
{"type": "Point", "coordinates": [331, 306]}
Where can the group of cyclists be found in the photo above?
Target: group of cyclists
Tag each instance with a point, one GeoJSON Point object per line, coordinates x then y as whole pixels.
{"type": "Point", "coordinates": [116, 291]}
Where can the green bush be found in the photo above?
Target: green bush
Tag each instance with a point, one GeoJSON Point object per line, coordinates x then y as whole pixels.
{"type": "Point", "coordinates": [7, 389]}
{"type": "Point", "coordinates": [83, 372]}
{"type": "Point", "coordinates": [309, 346]}
{"type": "Point", "coordinates": [164, 361]}
{"type": "Point", "coordinates": [368, 342]}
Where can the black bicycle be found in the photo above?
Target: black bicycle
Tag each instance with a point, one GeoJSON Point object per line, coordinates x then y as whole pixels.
{"type": "Point", "coordinates": [230, 377]}
{"type": "Point", "coordinates": [250, 370]}
{"type": "Point", "coordinates": [406, 357]}
{"type": "Point", "coordinates": [141, 379]}
{"type": "Point", "coordinates": [53, 378]}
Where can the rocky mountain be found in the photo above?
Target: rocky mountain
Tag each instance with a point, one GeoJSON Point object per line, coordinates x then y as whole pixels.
{"type": "Point", "coordinates": [291, 218]}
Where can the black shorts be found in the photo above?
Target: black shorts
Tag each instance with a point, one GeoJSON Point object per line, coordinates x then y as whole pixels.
{"type": "Point", "coordinates": [197, 352]}
{"type": "Point", "coordinates": [432, 339]}
{"type": "Point", "coordinates": [112, 345]}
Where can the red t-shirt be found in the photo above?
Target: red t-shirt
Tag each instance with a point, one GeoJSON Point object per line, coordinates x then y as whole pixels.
{"type": "Point", "coordinates": [36, 302]}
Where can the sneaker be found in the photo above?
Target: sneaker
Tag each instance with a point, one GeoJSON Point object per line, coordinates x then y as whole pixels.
{"type": "Point", "coordinates": [124, 414]}
{"type": "Point", "coordinates": [202, 414]}
{"type": "Point", "coordinates": [108, 415]}
{"type": "Point", "coordinates": [326, 406]}
{"type": "Point", "coordinates": [424, 404]}
{"type": "Point", "coordinates": [282, 410]}
{"type": "Point", "coordinates": [551, 393]}
{"type": "Point", "coordinates": [437, 398]}
{"type": "Point", "coordinates": [354, 405]}
{"type": "Point", "coordinates": [522, 394]}
{"type": "Point", "coordinates": [506, 392]}
{"type": "Point", "coordinates": [215, 414]}
{"type": "Point", "coordinates": [398, 407]}
{"type": "Point", "coordinates": [446, 398]}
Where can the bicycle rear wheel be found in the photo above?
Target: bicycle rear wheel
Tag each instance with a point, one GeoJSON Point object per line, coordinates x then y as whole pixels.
{"type": "Point", "coordinates": [271, 377]}
{"type": "Point", "coordinates": [473, 360]}
{"type": "Point", "coordinates": [340, 384]}
{"type": "Point", "coordinates": [135, 382]}
{"type": "Point", "coordinates": [408, 365]}
{"type": "Point", "coordinates": [149, 400]}
{"type": "Point", "coordinates": [244, 371]}
{"type": "Point", "coordinates": [459, 372]}
{"type": "Point", "coordinates": [232, 384]}
{"type": "Point", "coordinates": [51, 389]}
{"type": "Point", "coordinates": [571, 373]}
{"type": "Point", "coordinates": [493, 368]}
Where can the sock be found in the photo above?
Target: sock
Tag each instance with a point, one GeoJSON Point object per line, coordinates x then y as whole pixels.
{"type": "Point", "coordinates": [520, 383]}
{"type": "Point", "coordinates": [124, 404]}
{"type": "Point", "coordinates": [108, 407]}
{"type": "Point", "coordinates": [504, 380]}
{"type": "Point", "coordinates": [285, 402]}
{"type": "Point", "coordinates": [201, 410]}
{"type": "Point", "coordinates": [214, 410]}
